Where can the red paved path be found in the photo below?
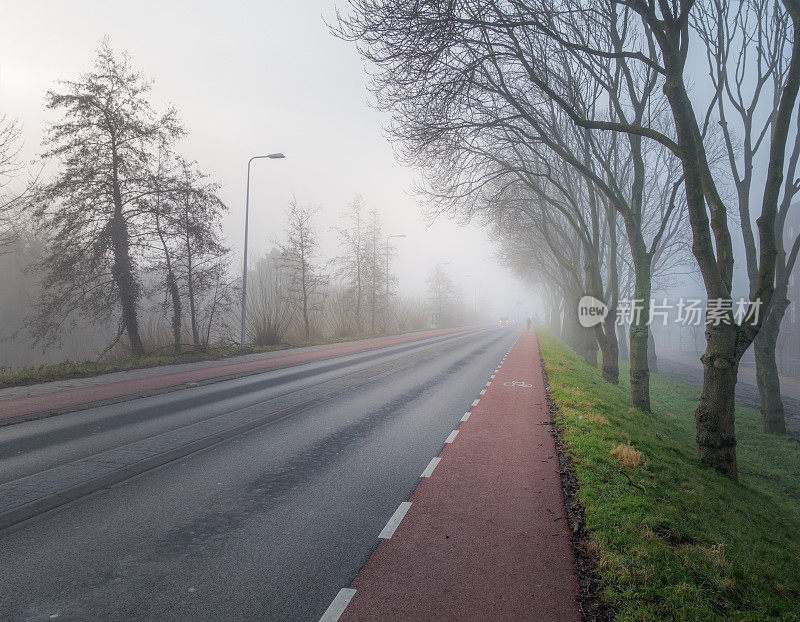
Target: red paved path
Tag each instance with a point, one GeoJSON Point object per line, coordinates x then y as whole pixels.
{"type": "Point", "coordinates": [486, 537]}
{"type": "Point", "coordinates": [69, 399]}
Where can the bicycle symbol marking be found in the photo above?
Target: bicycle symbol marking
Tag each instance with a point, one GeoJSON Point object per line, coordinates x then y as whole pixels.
{"type": "Point", "coordinates": [517, 383]}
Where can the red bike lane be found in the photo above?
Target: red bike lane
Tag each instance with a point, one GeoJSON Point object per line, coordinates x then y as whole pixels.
{"type": "Point", "coordinates": [485, 534]}
{"type": "Point", "coordinates": [67, 400]}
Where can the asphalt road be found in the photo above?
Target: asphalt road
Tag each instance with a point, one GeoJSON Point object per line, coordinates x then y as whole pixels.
{"type": "Point", "coordinates": [267, 523]}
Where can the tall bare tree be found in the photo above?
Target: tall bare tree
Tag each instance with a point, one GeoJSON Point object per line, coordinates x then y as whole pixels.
{"type": "Point", "coordinates": [186, 211]}
{"type": "Point", "coordinates": [444, 297]}
{"type": "Point", "coordinates": [352, 265]}
{"type": "Point", "coordinates": [92, 210]}
{"type": "Point", "coordinates": [747, 44]}
{"type": "Point", "coordinates": [375, 267]}
{"type": "Point", "coordinates": [299, 255]}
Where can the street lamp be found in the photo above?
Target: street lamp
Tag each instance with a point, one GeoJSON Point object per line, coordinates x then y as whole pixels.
{"type": "Point", "coordinates": [271, 156]}
{"type": "Point", "coordinates": [399, 235]}
{"type": "Point", "coordinates": [439, 295]}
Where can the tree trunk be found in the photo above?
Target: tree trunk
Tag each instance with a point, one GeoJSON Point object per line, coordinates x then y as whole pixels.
{"type": "Point", "coordinates": [190, 294]}
{"type": "Point", "coordinates": [640, 371]}
{"type": "Point", "coordinates": [714, 417]}
{"type": "Point", "coordinates": [172, 286]}
{"type": "Point", "coordinates": [555, 317]}
{"type": "Point", "coordinates": [589, 347]}
{"type": "Point", "coordinates": [122, 272]}
{"type": "Point", "coordinates": [122, 268]}
{"type": "Point", "coordinates": [609, 348]}
{"type": "Point", "coordinates": [652, 358]}
{"type": "Point", "coordinates": [580, 339]}
{"type": "Point", "coordinates": [769, 384]}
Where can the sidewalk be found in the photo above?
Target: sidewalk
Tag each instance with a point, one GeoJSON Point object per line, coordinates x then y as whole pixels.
{"type": "Point", "coordinates": [485, 534]}
{"type": "Point", "coordinates": [22, 403]}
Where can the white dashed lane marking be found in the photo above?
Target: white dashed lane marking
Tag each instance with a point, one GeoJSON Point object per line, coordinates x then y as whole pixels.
{"type": "Point", "coordinates": [452, 436]}
{"type": "Point", "coordinates": [466, 416]}
{"type": "Point", "coordinates": [339, 604]}
{"type": "Point", "coordinates": [431, 466]}
{"type": "Point", "coordinates": [394, 521]}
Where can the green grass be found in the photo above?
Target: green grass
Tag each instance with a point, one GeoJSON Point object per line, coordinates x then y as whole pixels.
{"type": "Point", "coordinates": [690, 544]}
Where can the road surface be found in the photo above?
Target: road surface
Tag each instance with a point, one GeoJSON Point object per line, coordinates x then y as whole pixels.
{"type": "Point", "coordinates": [255, 498]}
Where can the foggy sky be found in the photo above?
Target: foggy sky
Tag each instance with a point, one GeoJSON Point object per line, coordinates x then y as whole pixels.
{"type": "Point", "coordinates": [252, 78]}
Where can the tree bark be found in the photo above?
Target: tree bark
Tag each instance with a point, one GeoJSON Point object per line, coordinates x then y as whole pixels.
{"type": "Point", "coordinates": [652, 357]}
{"type": "Point", "coordinates": [609, 349]}
{"type": "Point", "coordinates": [714, 417]}
{"type": "Point", "coordinates": [122, 272]}
{"type": "Point", "coordinates": [172, 286]}
{"type": "Point", "coordinates": [767, 378]}
{"type": "Point", "coordinates": [555, 317]}
{"type": "Point", "coordinates": [122, 267]}
{"type": "Point", "coordinates": [190, 286]}
{"type": "Point", "coordinates": [639, 331]}
{"type": "Point", "coordinates": [580, 339]}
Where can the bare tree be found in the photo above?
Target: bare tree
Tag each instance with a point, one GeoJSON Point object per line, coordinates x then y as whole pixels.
{"type": "Point", "coordinates": [375, 267]}
{"type": "Point", "coordinates": [92, 211]}
{"type": "Point", "coordinates": [352, 265]}
{"type": "Point", "coordinates": [11, 199]}
{"type": "Point", "coordinates": [298, 254]}
{"type": "Point", "coordinates": [196, 224]}
{"type": "Point", "coordinates": [462, 77]}
{"type": "Point", "coordinates": [440, 58]}
{"type": "Point", "coordinates": [444, 298]}
{"type": "Point", "coordinates": [663, 44]}
{"type": "Point", "coordinates": [746, 47]}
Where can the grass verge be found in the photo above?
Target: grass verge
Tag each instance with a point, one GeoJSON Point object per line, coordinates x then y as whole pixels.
{"type": "Point", "coordinates": [672, 539]}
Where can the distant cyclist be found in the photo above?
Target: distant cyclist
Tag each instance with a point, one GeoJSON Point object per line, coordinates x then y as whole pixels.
{"type": "Point", "coordinates": [529, 323]}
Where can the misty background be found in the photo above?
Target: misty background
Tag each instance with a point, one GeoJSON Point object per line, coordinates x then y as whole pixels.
{"type": "Point", "coordinates": [247, 80]}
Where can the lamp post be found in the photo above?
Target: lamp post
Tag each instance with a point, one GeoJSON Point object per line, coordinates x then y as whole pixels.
{"type": "Point", "coordinates": [399, 235]}
{"type": "Point", "coordinates": [439, 295]}
{"type": "Point", "coordinates": [271, 156]}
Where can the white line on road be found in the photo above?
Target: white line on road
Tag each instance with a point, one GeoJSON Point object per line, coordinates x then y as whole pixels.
{"type": "Point", "coordinates": [431, 466]}
{"type": "Point", "coordinates": [394, 521]}
{"type": "Point", "coordinates": [488, 384]}
{"type": "Point", "coordinates": [466, 416]}
{"type": "Point", "coordinates": [475, 403]}
{"type": "Point", "coordinates": [339, 604]}
{"type": "Point", "coordinates": [452, 436]}
{"type": "Point", "coordinates": [483, 391]}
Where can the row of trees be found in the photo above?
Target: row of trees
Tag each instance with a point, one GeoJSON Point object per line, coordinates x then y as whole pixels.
{"type": "Point", "coordinates": [294, 289]}
{"type": "Point", "coordinates": [572, 129]}
{"type": "Point", "coordinates": [124, 224]}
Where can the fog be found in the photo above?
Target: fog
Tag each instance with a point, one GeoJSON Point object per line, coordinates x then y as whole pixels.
{"type": "Point", "coordinates": [248, 79]}
{"type": "Point", "coordinates": [254, 78]}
